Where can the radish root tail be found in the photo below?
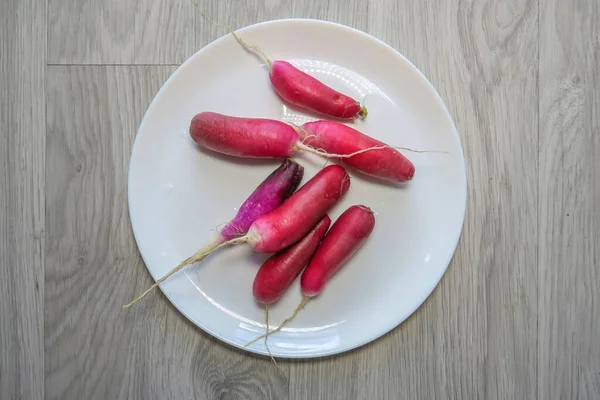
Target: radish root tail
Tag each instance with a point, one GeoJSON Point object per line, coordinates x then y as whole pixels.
{"type": "Point", "coordinates": [198, 256]}
{"type": "Point", "coordinates": [266, 337]}
{"type": "Point", "coordinates": [346, 178]}
{"type": "Point", "coordinates": [305, 300]}
{"type": "Point", "coordinates": [307, 138]}
{"type": "Point", "coordinates": [245, 45]}
{"type": "Point", "coordinates": [322, 153]}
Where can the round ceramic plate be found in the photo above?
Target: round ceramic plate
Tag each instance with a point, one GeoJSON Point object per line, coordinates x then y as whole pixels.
{"type": "Point", "coordinates": [180, 194]}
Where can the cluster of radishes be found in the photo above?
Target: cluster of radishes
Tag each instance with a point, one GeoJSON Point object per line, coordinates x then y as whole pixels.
{"type": "Point", "coordinates": [291, 223]}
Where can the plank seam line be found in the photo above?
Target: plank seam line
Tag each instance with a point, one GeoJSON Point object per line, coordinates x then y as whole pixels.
{"type": "Point", "coordinates": [113, 65]}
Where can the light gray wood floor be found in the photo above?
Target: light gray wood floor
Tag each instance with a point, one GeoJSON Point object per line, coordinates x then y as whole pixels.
{"type": "Point", "coordinates": [516, 316]}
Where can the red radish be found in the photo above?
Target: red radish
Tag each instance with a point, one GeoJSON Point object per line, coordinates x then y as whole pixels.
{"type": "Point", "coordinates": [244, 137]}
{"type": "Point", "coordinates": [289, 222]}
{"type": "Point", "coordinates": [269, 195]}
{"type": "Point", "coordinates": [267, 138]}
{"type": "Point", "coordinates": [382, 161]}
{"type": "Point", "coordinates": [344, 239]}
{"type": "Point", "coordinates": [301, 89]}
{"type": "Point", "coordinates": [295, 217]}
{"type": "Point", "coordinates": [278, 272]}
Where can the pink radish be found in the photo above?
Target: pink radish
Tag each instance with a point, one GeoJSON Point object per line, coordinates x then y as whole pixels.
{"type": "Point", "coordinates": [289, 222]}
{"type": "Point", "coordinates": [346, 236]}
{"type": "Point", "coordinates": [301, 89]}
{"type": "Point", "coordinates": [244, 137]}
{"type": "Point", "coordinates": [295, 217]}
{"type": "Point", "coordinates": [382, 161]}
{"type": "Point", "coordinates": [278, 272]}
{"type": "Point", "coordinates": [267, 138]}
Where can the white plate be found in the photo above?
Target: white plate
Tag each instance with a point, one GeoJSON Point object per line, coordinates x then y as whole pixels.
{"type": "Point", "coordinates": [179, 194]}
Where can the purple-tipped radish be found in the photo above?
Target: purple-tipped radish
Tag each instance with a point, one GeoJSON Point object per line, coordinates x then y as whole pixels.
{"type": "Point", "coordinates": [269, 195]}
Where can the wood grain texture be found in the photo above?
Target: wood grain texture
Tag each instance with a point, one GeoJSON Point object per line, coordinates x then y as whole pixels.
{"type": "Point", "coordinates": [167, 32]}
{"type": "Point", "coordinates": [569, 246]}
{"type": "Point", "coordinates": [476, 336]}
{"type": "Point", "coordinates": [120, 32]}
{"type": "Point", "coordinates": [22, 141]}
{"type": "Point", "coordinates": [241, 13]}
{"type": "Point", "coordinates": [93, 348]}
{"type": "Point", "coordinates": [516, 316]}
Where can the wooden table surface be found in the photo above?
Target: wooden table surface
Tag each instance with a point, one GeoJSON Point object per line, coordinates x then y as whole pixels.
{"type": "Point", "coordinates": [517, 314]}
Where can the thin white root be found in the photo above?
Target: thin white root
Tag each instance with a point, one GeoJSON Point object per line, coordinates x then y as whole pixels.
{"type": "Point", "coordinates": [305, 300]}
{"type": "Point", "coordinates": [266, 337]}
{"type": "Point", "coordinates": [198, 256]}
{"type": "Point", "coordinates": [239, 39]}
{"type": "Point", "coordinates": [322, 153]}
{"type": "Point", "coordinates": [308, 137]}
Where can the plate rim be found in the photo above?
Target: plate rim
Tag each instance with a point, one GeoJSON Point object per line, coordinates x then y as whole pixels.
{"type": "Point", "coordinates": [397, 321]}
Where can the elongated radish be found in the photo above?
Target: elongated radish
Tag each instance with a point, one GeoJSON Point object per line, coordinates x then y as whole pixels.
{"type": "Point", "coordinates": [301, 89]}
{"type": "Point", "coordinates": [382, 161]}
{"type": "Point", "coordinates": [244, 137]}
{"type": "Point", "coordinates": [269, 195]}
{"type": "Point", "coordinates": [295, 217]}
{"type": "Point", "coordinates": [346, 236]}
{"type": "Point", "coordinates": [267, 138]}
{"type": "Point", "coordinates": [279, 271]}
{"type": "Point", "coordinates": [289, 222]}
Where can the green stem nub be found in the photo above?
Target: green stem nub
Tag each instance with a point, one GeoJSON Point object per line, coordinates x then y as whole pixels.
{"type": "Point", "coordinates": [363, 112]}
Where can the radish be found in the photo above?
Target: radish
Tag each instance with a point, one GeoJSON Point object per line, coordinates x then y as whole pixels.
{"type": "Point", "coordinates": [382, 161]}
{"type": "Point", "coordinates": [269, 195]}
{"type": "Point", "coordinates": [267, 138]}
{"type": "Point", "coordinates": [289, 222]}
{"type": "Point", "coordinates": [295, 217]}
{"type": "Point", "coordinates": [346, 236]}
{"type": "Point", "coordinates": [301, 89]}
{"type": "Point", "coordinates": [244, 137]}
{"type": "Point", "coordinates": [278, 272]}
